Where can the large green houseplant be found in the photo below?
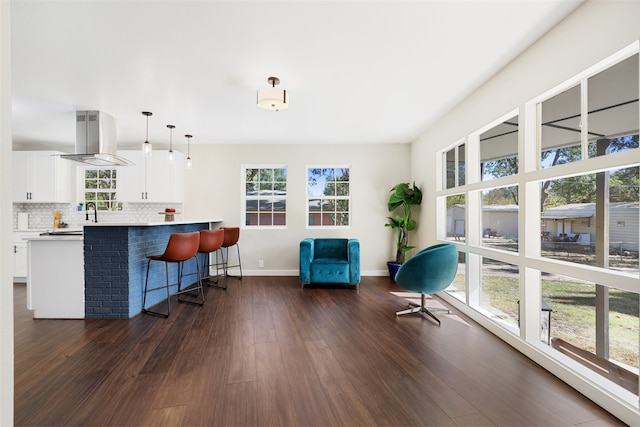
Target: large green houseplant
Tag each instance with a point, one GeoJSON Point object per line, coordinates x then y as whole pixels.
{"type": "Point", "coordinates": [403, 197]}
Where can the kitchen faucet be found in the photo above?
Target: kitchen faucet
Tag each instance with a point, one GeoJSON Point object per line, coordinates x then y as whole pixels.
{"type": "Point", "coordinates": [95, 211]}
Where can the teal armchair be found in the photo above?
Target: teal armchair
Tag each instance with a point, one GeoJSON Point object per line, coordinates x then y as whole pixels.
{"type": "Point", "coordinates": [330, 260]}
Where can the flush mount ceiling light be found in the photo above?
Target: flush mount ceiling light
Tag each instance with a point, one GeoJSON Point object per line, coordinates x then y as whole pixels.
{"type": "Point", "coordinates": [171, 157]}
{"type": "Point", "coordinates": [272, 98]}
{"type": "Point", "coordinates": [146, 145]}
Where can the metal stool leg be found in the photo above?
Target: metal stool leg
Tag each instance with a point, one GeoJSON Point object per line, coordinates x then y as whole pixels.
{"type": "Point", "coordinates": [226, 262]}
{"type": "Point", "coordinates": [216, 283]}
{"type": "Point", "coordinates": [146, 290]}
{"type": "Point", "coordinates": [189, 291]}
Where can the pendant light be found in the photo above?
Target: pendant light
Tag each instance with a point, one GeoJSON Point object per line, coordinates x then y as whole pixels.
{"type": "Point", "coordinates": [189, 163]}
{"type": "Point", "coordinates": [146, 145]}
{"type": "Point", "coordinates": [171, 157]}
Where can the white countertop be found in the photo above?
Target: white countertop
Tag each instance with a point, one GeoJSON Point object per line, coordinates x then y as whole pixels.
{"type": "Point", "coordinates": [151, 223]}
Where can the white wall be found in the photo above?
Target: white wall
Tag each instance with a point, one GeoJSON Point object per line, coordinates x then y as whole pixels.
{"type": "Point", "coordinates": [595, 31]}
{"type": "Point", "coordinates": [6, 258]}
{"type": "Point", "coordinates": [212, 189]}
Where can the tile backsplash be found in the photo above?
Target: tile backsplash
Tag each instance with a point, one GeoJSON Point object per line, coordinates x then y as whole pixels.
{"type": "Point", "coordinates": [40, 214]}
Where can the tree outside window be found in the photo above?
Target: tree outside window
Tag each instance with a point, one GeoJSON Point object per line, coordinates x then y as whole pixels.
{"type": "Point", "coordinates": [265, 196]}
{"type": "Point", "coordinates": [328, 196]}
{"type": "Point", "coordinates": [100, 188]}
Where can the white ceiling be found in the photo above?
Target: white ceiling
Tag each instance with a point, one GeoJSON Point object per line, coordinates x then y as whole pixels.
{"type": "Point", "coordinates": [355, 71]}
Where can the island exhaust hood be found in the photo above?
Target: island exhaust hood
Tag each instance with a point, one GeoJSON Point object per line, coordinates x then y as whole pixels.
{"type": "Point", "coordinates": [96, 140]}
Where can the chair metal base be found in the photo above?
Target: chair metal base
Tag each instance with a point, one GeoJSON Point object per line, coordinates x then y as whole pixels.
{"type": "Point", "coordinates": [225, 261]}
{"type": "Point", "coordinates": [197, 288]}
{"type": "Point", "coordinates": [214, 280]}
{"type": "Point", "coordinates": [422, 308]}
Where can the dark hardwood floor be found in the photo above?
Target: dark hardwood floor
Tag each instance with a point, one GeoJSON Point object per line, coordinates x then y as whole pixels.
{"type": "Point", "coordinates": [266, 352]}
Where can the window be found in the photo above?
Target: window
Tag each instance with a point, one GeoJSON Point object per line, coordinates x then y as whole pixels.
{"type": "Point", "coordinates": [556, 228]}
{"type": "Point", "coordinates": [500, 218]}
{"type": "Point", "coordinates": [580, 227]}
{"type": "Point", "coordinates": [456, 218]}
{"type": "Point", "coordinates": [100, 188]}
{"type": "Point", "coordinates": [265, 196]}
{"type": "Point", "coordinates": [499, 150]}
{"type": "Point", "coordinates": [454, 166]}
{"type": "Point", "coordinates": [328, 196]}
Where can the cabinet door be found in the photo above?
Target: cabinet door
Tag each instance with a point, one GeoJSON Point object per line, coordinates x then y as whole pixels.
{"type": "Point", "coordinates": [20, 253]}
{"type": "Point", "coordinates": [20, 177]}
{"type": "Point", "coordinates": [131, 178]}
{"type": "Point", "coordinates": [160, 177]}
{"type": "Point", "coordinates": [43, 178]}
{"type": "Point", "coordinates": [19, 261]}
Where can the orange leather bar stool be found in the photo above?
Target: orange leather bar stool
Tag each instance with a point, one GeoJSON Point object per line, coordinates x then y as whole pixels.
{"type": "Point", "coordinates": [231, 237]}
{"type": "Point", "coordinates": [211, 241]}
{"type": "Point", "coordinates": [180, 248]}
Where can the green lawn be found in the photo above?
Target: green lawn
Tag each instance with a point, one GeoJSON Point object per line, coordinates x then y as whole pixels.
{"type": "Point", "coordinates": [573, 317]}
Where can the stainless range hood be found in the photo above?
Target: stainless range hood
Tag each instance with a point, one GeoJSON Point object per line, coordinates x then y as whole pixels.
{"type": "Point", "coordinates": [96, 140]}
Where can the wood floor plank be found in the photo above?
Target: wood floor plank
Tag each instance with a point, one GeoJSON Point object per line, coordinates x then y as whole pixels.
{"type": "Point", "coordinates": [340, 391]}
{"type": "Point", "coordinates": [267, 352]}
{"type": "Point", "coordinates": [274, 397]}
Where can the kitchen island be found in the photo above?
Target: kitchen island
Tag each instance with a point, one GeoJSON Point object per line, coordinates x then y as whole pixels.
{"type": "Point", "coordinates": [115, 264]}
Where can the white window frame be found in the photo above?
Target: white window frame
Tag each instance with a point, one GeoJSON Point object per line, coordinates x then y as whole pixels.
{"type": "Point", "coordinates": [308, 197]}
{"type": "Point", "coordinates": [244, 197]}
{"type": "Point", "coordinates": [528, 260]}
{"type": "Point", "coordinates": [83, 188]}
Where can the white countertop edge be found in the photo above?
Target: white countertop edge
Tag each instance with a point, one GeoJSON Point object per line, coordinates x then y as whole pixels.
{"type": "Point", "coordinates": [151, 223]}
{"type": "Point", "coordinates": [57, 237]}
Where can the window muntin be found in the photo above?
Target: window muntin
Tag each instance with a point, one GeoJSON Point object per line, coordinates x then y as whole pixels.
{"type": "Point", "coordinates": [328, 196]}
{"type": "Point", "coordinates": [100, 188]}
{"type": "Point", "coordinates": [265, 196]}
{"type": "Point", "coordinates": [500, 216]}
{"type": "Point", "coordinates": [499, 150]}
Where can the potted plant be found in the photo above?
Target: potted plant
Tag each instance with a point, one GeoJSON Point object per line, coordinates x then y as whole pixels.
{"type": "Point", "coordinates": [404, 198]}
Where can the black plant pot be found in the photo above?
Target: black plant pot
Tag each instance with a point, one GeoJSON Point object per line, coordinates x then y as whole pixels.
{"type": "Point", "coordinates": [393, 269]}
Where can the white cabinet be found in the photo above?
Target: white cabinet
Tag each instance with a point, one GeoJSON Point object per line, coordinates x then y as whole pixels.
{"type": "Point", "coordinates": [56, 277]}
{"type": "Point", "coordinates": [20, 254]}
{"type": "Point", "coordinates": [152, 179]}
{"type": "Point", "coordinates": [42, 177]}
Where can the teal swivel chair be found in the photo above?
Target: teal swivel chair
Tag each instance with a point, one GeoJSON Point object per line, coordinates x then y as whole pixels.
{"type": "Point", "coordinates": [330, 260]}
{"type": "Point", "coordinates": [429, 271]}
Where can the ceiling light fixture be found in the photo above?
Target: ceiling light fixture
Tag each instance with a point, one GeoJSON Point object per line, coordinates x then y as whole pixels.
{"type": "Point", "coordinates": [146, 145]}
{"type": "Point", "coordinates": [171, 157]}
{"type": "Point", "coordinates": [272, 98]}
{"type": "Point", "coordinates": [189, 163]}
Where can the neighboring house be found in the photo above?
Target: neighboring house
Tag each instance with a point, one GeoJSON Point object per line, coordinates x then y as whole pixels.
{"type": "Point", "coordinates": [579, 218]}
{"type": "Point", "coordinates": [502, 220]}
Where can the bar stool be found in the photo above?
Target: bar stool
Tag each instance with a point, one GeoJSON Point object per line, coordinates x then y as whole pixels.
{"type": "Point", "coordinates": [211, 241]}
{"type": "Point", "coordinates": [180, 248]}
{"type": "Point", "coordinates": [231, 237]}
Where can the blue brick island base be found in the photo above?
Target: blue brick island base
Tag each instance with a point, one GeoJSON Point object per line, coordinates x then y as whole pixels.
{"type": "Point", "coordinates": [115, 266]}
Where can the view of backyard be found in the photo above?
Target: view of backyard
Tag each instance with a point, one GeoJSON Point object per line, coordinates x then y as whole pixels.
{"type": "Point", "coordinates": [573, 305]}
